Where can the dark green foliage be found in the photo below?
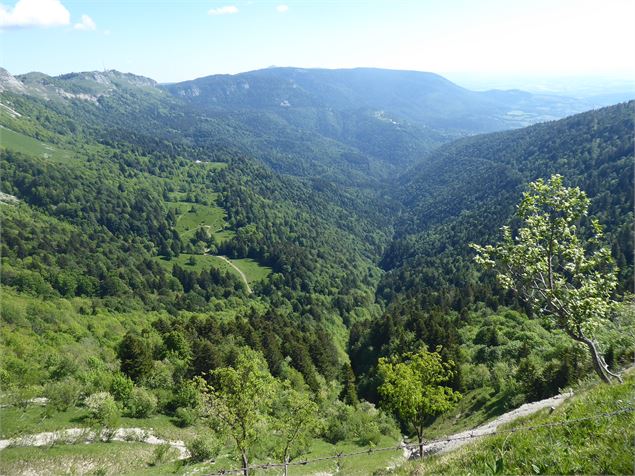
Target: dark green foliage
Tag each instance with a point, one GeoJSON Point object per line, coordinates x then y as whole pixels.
{"type": "Point", "coordinates": [466, 191]}
{"type": "Point", "coordinates": [349, 387]}
{"type": "Point", "coordinates": [135, 354]}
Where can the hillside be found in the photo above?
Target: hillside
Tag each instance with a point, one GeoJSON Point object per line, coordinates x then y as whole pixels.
{"type": "Point", "coordinates": [596, 424]}
{"type": "Point", "coordinates": [384, 116]}
{"type": "Point", "coordinates": [424, 99]}
{"type": "Point", "coordinates": [463, 193]}
{"type": "Point", "coordinates": [154, 235]}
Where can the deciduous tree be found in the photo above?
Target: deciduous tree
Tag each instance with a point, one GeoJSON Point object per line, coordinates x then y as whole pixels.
{"type": "Point", "coordinates": [412, 388]}
{"type": "Point", "coordinates": [567, 278]}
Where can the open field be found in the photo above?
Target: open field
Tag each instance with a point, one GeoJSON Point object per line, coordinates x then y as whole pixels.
{"type": "Point", "coordinates": [28, 145]}
{"type": "Point", "coordinates": [192, 216]}
{"type": "Point", "coordinates": [252, 270]}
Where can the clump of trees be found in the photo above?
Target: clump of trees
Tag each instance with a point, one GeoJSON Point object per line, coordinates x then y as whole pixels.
{"type": "Point", "coordinates": [256, 410]}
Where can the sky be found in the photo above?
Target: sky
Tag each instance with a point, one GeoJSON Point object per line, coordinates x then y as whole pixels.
{"type": "Point", "coordinates": [175, 41]}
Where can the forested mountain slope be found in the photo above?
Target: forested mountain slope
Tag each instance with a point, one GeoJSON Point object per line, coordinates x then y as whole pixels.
{"type": "Point", "coordinates": [466, 191]}
{"type": "Point", "coordinates": [463, 193]}
{"type": "Point", "coordinates": [368, 120]}
{"type": "Point", "coordinates": [122, 201]}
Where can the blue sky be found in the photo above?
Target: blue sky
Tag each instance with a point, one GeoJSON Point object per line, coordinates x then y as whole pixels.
{"type": "Point", "coordinates": [173, 41]}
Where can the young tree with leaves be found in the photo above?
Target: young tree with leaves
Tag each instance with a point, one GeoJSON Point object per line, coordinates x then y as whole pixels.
{"type": "Point", "coordinates": [294, 423]}
{"type": "Point", "coordinates": [239, 400]}
{"type": "Point", "coordinates": [412, 388]}
{"type": "Point", "coordinates": [565, 277]}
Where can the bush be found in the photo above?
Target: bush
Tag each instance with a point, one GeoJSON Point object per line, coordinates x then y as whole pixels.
{"type": "Point", "coordinates": [188, 395]}
{"type": "Point", "coordinates": [161, 454]}
{"type": "Point", "coordinates": [103, 409]}
{"type": "Point", "coordinates": [21, 397]}
{"type": "Point", "coordinates": [121, 388]}
{"type": "Point", "coordinates": [363, 426]}
{"type": "Point", "coordinates": [336, 429]}
{"type": "Point", "coordinates": [63, 394]}
{"type": "Point", "coordinates": [142, 403]}
{"type": "Point", "coordinates": [185, 416]}
{"type": "Point", "coordinates": [202, 449]}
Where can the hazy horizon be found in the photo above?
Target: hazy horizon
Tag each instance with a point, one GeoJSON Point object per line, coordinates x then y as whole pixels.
{"type": "Point", "coordinates": [578, 86]}
{"type": "Point", "coordinates": [460, 40]}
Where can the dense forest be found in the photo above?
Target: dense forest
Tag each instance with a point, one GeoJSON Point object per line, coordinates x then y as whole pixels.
{"type": "Point", "coordinates": [152, 239]}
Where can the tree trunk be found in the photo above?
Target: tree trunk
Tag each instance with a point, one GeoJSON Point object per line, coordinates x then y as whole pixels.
{"type": "Point", "coordinates": [245, 464]}
{"type": "Point", "coordinates": [420, 438]}
{"type": "Point", "coordinates": [286, 466]}
{"type": "Point", "coordinates": [600, 366]}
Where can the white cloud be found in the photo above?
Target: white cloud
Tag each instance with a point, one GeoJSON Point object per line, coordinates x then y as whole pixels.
{"type": "Point", "coordinates": [34, 13]}
{"type": "Point", "coordinates": [282, 8]}
{"type": "Point", "coordinates": [87, 24]}
{"type": "Point", "coordinates": [228, 10]}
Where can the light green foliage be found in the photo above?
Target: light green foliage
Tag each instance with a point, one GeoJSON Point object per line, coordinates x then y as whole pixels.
{"type": "Point", "coordinates": [239, 399]}
{"type": "Point", "coordinates": [563, 276]}
{"type": "Point", "coordinates": [102, 409]}
{"type": "Point", "coordinates": [184, 416]}
{"type": "Point", "coordinates": [142, 403]}
{"type": "Point", "coordinates": [203, 448]}
{"type": "Point", "coordinates": [363, 424]}
{"type": "Point", "coordinates": [294, 422]}
{"type": "Point", "coordinates": [412, 387]}
{"type": "Point", "coordinates": [121, 387]}
{"type": "Point", "coordinates": [63, 394]}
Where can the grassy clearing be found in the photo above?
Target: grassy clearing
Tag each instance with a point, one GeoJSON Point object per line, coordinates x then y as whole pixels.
{"type": "Point", "coordinates": [253, 271]}
{"type": "Point", "coordinates": [213, 165]}
{"type": "Point", "coordinates": [200, 262]}
{"type": "Point", "coordinates": [27, 145]}
{"type": "Point", "coordinates": [33, 419]}
{"type": "Point", "coordinates": [112, 458]}
{"type": "Point", "coordinates": [192, 216]}
{"type": "Point", "coordinates": [598, 446]}
{"type": "Point", "coordinates": [361, 465]}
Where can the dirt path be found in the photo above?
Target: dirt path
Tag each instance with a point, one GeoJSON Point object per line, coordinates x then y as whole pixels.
{"type": "Point", "coordinates": [86, 435]}
{"type": "Point", "coordinates": [487, 428]}
{"type": "Point", "coordinates": [242, 275]}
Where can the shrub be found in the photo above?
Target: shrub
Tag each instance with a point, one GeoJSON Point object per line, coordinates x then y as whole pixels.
{"type": "Point", "coordinates": [63, 394]}
{"type": "Point", "coordinates": [336, 429]}
{"type": "Point", "coordinates": [121, 388]}
{"type": "Point", "coordinates": [188, 395]}
{"type": "Point", "coordinates": [141, 403]}
{"type": "Point", "coordinates": [202, 449]}
{"type": "Point", "coordinates": [185, 416]}
{"type": "Point", "coordinates": [103, 409]}
{"type": "Point", "coordinates": [475, 376]}
{"type": "Point", "coordinates": [21, 397]}
{"type": "Point", "coordinates": [363, 426]}
{"type": "Point", "coordinates": [161, 454]}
